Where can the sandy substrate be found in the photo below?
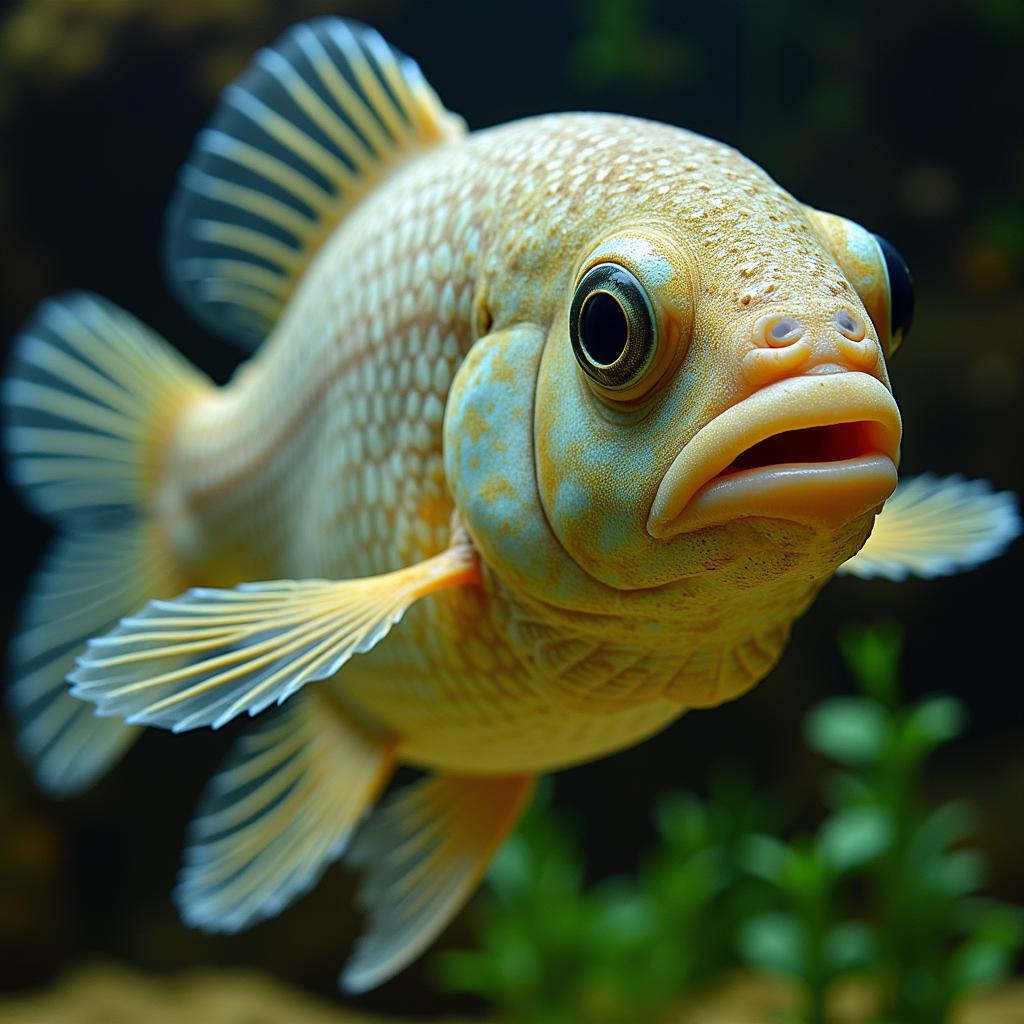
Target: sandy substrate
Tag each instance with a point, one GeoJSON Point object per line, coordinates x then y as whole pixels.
{"type": "Point", "coordinates": [114, 995]}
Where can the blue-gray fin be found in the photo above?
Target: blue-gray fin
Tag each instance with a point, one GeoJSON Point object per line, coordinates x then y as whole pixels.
{"type": "Point", "coordinates": [86, 583]}
{"type": "Point", "coordinates": [87, 392]}
{"type": "Point", "coordinates": [422, 854]}
{"type": "Point", "coordinates": [85, 398]}
{"type": "Point", "coordinates": [280, 810]}
{"type": "Point", "coordinates": [314, 122]}
{"type": "Point", "coordinates": [937, 526]}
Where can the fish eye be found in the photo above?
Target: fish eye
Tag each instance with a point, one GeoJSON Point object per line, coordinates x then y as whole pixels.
{"type": "Point", "coordinates": [901, 293]}
{"type": "Point", "coordinates": [612, 326]}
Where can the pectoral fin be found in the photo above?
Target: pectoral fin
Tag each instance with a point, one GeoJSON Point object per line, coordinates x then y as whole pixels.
{"type": "Point", "coordinates": [937, 526]}
{"type": "Point", "coordinates": [209, 655]}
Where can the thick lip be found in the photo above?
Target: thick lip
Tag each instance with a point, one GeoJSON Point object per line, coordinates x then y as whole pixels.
{"type": "Point", "coordinates": [830, 454]}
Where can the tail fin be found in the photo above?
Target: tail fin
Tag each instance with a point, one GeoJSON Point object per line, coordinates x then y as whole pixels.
{"type": "Point", "coordinates": [88, 398]}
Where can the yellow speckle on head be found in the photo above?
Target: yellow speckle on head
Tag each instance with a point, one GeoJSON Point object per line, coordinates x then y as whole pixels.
{"type": "Point", "coordinates": [495, 487]}
{"type": "Point", "coordinates": [502, 370]}
{"type": "Point", "coordinates": [475, 424]}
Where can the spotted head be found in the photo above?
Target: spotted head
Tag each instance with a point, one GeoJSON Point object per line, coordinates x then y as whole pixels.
{"type": "Point", "coordinates": [710, 393]}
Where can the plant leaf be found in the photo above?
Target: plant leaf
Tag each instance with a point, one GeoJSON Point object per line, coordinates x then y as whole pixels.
{"type": "Point", "coordinates": [872, 655]}
{"type": "Point", "coordinates": [764, 857]}
{"type": "Point", "coordinates": [849, 946]}
{"type": "Point", "coordinates": [854, 837]}
{"type": "Point", "coordinates": [773, 942]}
{"type": "Point", "coordinates": [851, 730]}
{"type": "Point", "coordinates": [929, 724]}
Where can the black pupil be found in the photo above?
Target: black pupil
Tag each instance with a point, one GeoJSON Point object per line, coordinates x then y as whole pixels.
{"type": "Point", "coordinates": [604, 329]}
{"type": "Point", "coordinates": [901, 288]}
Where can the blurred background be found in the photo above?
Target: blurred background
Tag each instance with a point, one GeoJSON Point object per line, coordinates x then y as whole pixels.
{"type": "Point", "coordinates": [905, 122]}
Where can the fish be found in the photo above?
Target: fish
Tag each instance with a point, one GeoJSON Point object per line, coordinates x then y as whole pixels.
{"type": "Point", "coordinates": [544, 434]}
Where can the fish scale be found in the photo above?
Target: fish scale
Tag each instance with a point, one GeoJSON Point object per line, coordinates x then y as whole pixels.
{"type": "Point", "coordinates": [360, 326]}
{"type": "Point", "coordinates": [425, 523]}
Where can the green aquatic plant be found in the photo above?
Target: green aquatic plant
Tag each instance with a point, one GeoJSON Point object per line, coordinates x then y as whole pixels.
{"type": "Point", "coordinates": [553, 950]}
{"type": "Point", "coordinates": [921, 933]}
{"type": "Point", "coordinates": [619, 46]}
{"type": "Point", "coordinates": [884, 893]}
{"type": "Point", "coordinates": [935, 938]}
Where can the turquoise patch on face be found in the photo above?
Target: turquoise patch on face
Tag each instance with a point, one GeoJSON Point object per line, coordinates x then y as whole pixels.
{"type": "Point", "coordinates": [571, 501]}
{"type": "Point", "coordinates": [614, 533]}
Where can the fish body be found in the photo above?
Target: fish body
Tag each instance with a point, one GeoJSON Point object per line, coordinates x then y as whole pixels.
{"type": "Point", "coordinates": [589, 403]}
{"type": "Point", "coordinates": [326, 456]}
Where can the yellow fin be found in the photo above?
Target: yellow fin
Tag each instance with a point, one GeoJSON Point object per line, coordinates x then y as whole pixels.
{"type": "Point", "coordinates": [280, 810]}
{"type": "Point", "coordinates": [936, 526]}
{"type": "Point", "coordinates": [210, 655]}
{"type": "Point", "coordinates": [423, 853]}
{"type": "Point", "coordinates": [310, 126]}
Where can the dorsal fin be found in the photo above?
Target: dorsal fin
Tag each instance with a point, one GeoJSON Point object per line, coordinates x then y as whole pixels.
{"type": "Point", "coordinates": [312, 124]}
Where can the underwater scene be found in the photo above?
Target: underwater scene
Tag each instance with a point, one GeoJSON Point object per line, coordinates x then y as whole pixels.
{"type": "Point", "coordinates": [430, 434]}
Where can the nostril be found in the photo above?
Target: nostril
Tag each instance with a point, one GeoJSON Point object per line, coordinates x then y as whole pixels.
{"type": "Point", "coordinates": [849, 326]}
{"type": "Point", "coordinates": [862, 354]}
{"type": "Point", "coordinates": [782, 330]}
{"type": "Point", "coordinates": [763, 365]}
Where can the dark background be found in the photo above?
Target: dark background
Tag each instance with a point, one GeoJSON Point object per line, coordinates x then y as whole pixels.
{"type": "Point", "coordinates": [906, 121]}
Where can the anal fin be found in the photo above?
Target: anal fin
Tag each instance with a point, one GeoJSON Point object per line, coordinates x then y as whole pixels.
{"type": "Point", "coordinates": [281, 810]}
{"type": "Point", "coordinates": [423, 852]}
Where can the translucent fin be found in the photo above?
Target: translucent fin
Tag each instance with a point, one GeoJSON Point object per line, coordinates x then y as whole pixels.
{"type": "Point", "coordinates": [423, 852]}
{"type": "Point", "coordinates": [313, 123]}
{"type": "Point", "coordinates": [936, 526]}
{"type": "Point", "coordinates": [86, 583]}
{"type": "Point", "coordinates": [210, 655]}
{"type": "Point", "coordinates": [88, 396]}
{"type": "Point", "coordinates": [280, 810]}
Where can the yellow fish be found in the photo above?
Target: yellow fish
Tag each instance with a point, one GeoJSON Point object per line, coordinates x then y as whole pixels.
{"type": "Point", "coordinates": [590, 401]}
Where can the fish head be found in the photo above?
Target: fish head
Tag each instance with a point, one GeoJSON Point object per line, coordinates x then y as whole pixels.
{"type": "Point", "coordinates": [713, 393]}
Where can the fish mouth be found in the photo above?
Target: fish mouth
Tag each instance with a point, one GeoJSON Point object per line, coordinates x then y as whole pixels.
{"type": "Point", "coordinates": [819, 450]}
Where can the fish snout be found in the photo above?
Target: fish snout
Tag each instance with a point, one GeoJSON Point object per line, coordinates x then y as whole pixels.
{"type": "Point", "coordinates": [818, 449]}
{"type": "Point", "coordinates": [782, 345]}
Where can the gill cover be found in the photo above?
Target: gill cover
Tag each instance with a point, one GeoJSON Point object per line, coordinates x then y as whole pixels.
{"type": "Point", "coordinates": [489, 464]}
{"type": "Point", "coordinates": [878, 273]}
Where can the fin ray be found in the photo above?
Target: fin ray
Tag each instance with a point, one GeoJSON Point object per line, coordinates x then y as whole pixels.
{"type": "Point", "coordinates": [936, 526]}
{"type": "Point", "coordinates": [88, 393]}
{"type": "Point", "coordinates": [211, 655]}
{"type": "Point", "coordinates": [280, 810]}
{"type": "Point", "coordinates": [313, 123]}
{"type": "Point", "coordinates": [86, 582]}
{"type": "Point", "coordinates": [423, 853]}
